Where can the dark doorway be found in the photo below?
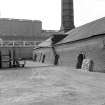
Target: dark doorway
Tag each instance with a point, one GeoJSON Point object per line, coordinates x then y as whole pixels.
{"type": "Point", "coordinates": [80, 59]}
{"type": "Point", "coordinates": [0, 60]}
{"type": "Point", "coordinates": [56, 59]}
{"type": "Point", "coordinates": [35, 57]}
{"type": "Point", "coordinates": [43, 59]}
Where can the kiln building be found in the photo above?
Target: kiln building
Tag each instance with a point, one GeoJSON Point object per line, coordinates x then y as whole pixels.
{"type": "Point", "coordinates": [76, 45]}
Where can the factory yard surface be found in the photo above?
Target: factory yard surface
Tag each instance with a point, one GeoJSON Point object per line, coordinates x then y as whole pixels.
{"type": "Point", "coordinates": [51, 86]}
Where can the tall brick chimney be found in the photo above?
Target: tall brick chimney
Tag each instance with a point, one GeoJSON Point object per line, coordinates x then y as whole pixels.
{"type": "Point", "coordinates": [67, 15]}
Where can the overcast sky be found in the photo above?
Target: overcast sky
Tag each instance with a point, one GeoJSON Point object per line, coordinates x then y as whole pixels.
{"type": "Point", "coordinates": [49, 11]}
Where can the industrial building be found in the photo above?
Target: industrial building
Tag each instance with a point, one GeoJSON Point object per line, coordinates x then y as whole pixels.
{"type": "Point", "coordinates": [19, 36]}
{"type": "Point", "coordinates": [81, 47]}
{"type": "Point", "coordinates": [20, 29]}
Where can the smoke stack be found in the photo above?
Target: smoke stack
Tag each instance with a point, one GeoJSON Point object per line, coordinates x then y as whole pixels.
{"type": "Point", "coordinates": [67, 15]}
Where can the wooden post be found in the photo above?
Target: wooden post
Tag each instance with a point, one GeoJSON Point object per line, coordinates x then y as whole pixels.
{"type": "Point", "coordinates": [0, 60]}
{"type": "Point", "coordinates": [10, 65]}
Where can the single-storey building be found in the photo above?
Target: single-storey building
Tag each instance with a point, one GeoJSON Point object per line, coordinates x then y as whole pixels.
{"type": "Point", "coordinates": [84, 42]}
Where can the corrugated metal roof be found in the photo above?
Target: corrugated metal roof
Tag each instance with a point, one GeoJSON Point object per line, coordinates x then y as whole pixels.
{"type": "Point", "coordinates": [85, 31]}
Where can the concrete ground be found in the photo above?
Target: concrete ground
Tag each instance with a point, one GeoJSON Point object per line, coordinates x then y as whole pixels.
{"type": "Point", "coordinates": [51, 86]}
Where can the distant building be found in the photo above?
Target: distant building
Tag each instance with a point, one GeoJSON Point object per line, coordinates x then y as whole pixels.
{"type": "Point", "coordinates": [20, 29]}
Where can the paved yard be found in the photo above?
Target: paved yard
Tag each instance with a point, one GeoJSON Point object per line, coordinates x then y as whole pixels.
{"type": "Point", "coordinates": [51, 86]}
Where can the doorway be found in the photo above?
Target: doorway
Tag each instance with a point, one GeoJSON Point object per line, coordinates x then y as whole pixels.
{"type": "Point", "coordinates": [80, 59]}
{"type": "Point", "coordinates": [43, 59]}
{"type": "Point", "coordinates": [56, 60]}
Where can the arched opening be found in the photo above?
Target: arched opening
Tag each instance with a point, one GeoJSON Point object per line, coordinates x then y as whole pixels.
{"type": "Point", "coordinates": [43, 59]}
{"type": "Point", "coordinates": [80, 59]}
{"type": "Point", "coordinates": [35, 57]}
{"type": "Point", "coordinates": [56, 61]}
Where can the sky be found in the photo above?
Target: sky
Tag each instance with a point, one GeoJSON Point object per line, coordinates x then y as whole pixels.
{"type": "Point", "coordinates": [49, 11]}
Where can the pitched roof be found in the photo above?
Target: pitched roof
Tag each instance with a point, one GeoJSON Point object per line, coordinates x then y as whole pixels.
{"type": "Point", "coordinates": [52, 40]}
{"type": "Point", "coordinates": [91, 29]}
{"type": "Point", "coordinates": [45, 43]}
